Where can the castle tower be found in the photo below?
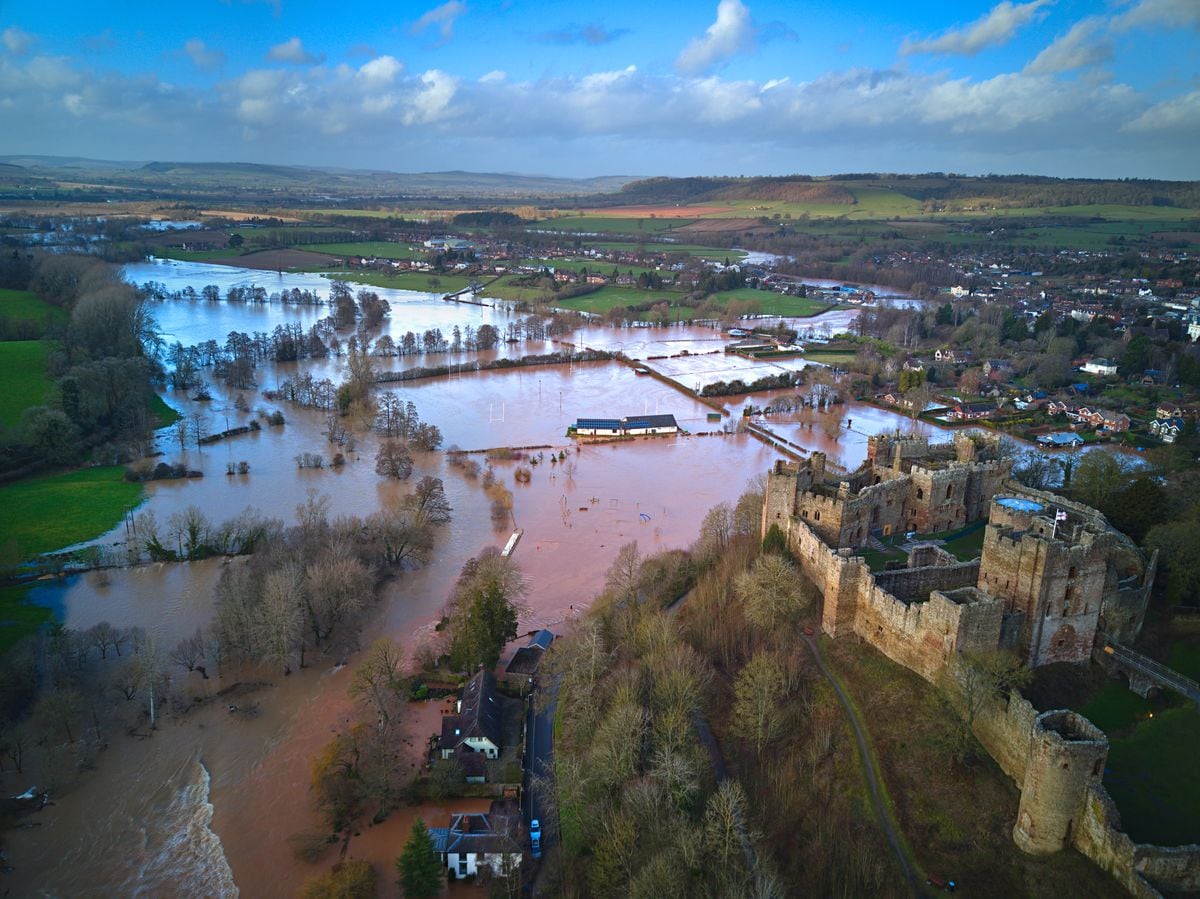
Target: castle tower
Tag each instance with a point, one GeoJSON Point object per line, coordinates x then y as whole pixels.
{"type": "Point", "coordinates": [1066, 756]}
{"type": "Point", "coordinates": [1052, 580]}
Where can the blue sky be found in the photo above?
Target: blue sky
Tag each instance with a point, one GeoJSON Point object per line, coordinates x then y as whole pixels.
{"type": "Point", "coordinates": [1106, 88]}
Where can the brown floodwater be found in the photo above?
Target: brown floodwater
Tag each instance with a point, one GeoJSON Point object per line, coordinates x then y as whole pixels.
{"type": "Point", "coordinates": [205, 806]}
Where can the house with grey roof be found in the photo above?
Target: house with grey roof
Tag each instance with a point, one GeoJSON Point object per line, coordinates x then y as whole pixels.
{"type": "Point", "coordinates": [477, 726]}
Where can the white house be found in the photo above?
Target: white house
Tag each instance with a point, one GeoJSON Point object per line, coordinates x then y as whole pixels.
{"type": "Point", "coordinates": [1099, 366]}
{"type": "Point", "coordinates": [476, 727]}
{"type": "Point", "coordinates": [473, 842]}
{"type": "Point", "coordinates": [1166, 429]}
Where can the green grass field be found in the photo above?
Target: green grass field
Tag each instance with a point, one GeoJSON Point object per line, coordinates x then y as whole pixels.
{"type": "Point", "coordinates": [773, 303]}
{"type": "Point", "coordinates": [613, 297]}
{"type": "Point", "coordinates": [405, 281]}
{"type": "Point", "coordinates": [655, 246]}
{"type": "Point", "coordinates": [1151, 776]}
{"type": "Point", "coordinates": [26, 305]}
{"type": "Point", "coordinates": [381, 248]}
{"type": "Point", "coordinates": [18, 616]}
{"type": "Point", "coordinates": [197, 255]}
{"type": "Point", "coordinates": [506, 289]}
{"type": "Point", "coordinates": [48, 513]}
{"type": "Point", "coordinates": [838, 358]}
{"type": "Point", "coordinates": [23, 381]}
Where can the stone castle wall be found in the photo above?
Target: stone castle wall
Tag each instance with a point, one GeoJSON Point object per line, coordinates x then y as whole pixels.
{"type": "Point", "coordinates": [1006, 728]}
{"type": "Point", "coordinates": [917, 583]}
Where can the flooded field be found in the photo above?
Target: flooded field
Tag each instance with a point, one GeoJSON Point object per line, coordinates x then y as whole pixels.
{"type": "Point", "coordinates": [205, 806]}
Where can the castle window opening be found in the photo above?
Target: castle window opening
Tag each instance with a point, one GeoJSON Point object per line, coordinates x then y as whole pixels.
{"type": "Point", "coordinates": [1071, 572]}
{"type": "Point", "coordinates": [949, 490]}
{"type": "Point", "coordinates": [920, 493]}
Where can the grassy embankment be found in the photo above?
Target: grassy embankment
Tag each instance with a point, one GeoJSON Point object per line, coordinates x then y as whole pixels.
{"type": "Point", "coordinates": [957, 817]}
{"type": "Point", "coordinates": [43, 514]}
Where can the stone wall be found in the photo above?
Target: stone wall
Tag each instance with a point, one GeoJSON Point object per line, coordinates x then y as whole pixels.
{"type": "Point", "coordinates": [917, 583]}
{"type": "Point", "coordinates": [922, 636]}
{"type": "Point", "coordinates": [1066, 757]}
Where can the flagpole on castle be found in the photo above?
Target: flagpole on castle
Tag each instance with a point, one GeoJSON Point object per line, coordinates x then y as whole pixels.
{"type": "Point", "coordinates": [1059, 515]}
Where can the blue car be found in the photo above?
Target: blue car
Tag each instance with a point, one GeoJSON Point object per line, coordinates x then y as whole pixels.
{"type": "Point", "coordinates": [535, 837]}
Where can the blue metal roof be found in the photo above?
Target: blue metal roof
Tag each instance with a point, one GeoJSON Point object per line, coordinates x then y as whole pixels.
{"type": "Point", "coordinates": [610, 423]}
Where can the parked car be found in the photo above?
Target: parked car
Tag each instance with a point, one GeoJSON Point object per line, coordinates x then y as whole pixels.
{"type": "Point", "coordinates": [535, 837]}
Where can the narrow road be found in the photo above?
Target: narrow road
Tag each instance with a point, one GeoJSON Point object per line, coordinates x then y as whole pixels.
{"type": "Point", "coordinates": [886, 822]}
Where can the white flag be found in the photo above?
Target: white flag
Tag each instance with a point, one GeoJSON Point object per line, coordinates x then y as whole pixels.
{"type": "Point", "coordinates": [1060, 515]}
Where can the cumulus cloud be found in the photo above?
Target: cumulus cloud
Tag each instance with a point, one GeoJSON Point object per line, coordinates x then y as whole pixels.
{"type": "Point", "coordinates": [292, 50]}
{"type": "Point", "coordinates": [17, 41]}
{"type": "Point", "coordinates": [733, 32]}
{"type": "Point", "coordinates": [442, 17]}
{"type": "Point", "coordinates": [1086, 44]}
{"type": "Point", "coordinates": [381, 71]}
{"type": "Point", "coordinates": [591, 35]}
{"type": "Point", "coordinates": [992, 30]}
{"type": "Point", "coordinates": [1012, 122]}
{"type": "Point", "coordinates": [202, 56]}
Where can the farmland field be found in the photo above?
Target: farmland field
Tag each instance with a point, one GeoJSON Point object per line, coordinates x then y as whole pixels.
{"type": "Point", "coordinates": [24, 304]}
{"type": "Point", "coordinates": [607, 223]}
{"type": "Point", "coordinates": [426, 282]}
{"type": "Point", "coordinates": [23, 381]}
{"type": "Point", "coordinates": [381, 248]}
{"type": "Point", "coordinates": [48, 513]}
{"type": "Point", "coordinates": [773, 303]}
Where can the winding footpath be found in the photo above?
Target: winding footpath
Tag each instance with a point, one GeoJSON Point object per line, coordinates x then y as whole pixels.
{"type": "Point", "coordinates": [887, 821]}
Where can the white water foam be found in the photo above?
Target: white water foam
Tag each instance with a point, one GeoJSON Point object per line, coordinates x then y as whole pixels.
{"type": "Point", "coordinates": [182, 856]}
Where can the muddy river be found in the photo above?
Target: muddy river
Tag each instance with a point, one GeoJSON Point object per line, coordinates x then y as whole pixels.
{"type": "Point", "coordinates": [204, 807]}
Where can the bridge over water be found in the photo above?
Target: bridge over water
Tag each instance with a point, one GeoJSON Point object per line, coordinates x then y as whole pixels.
{"type": "Point", "coordinates": [1144, 673]}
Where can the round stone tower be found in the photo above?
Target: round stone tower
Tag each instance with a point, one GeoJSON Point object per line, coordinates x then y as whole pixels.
{"type": "Point", "coordinates": [1066, 755]}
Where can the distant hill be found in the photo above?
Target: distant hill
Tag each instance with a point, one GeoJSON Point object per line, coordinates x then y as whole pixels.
{"type": "Point", "coordinates": [315, 183]}
{"type": "Point", "coordinates": [1002, 191]}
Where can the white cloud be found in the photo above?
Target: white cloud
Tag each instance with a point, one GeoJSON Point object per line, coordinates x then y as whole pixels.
{"type": "Point", "coordinates": [882, 119]}
{"type": "Point", "coordinates": [202, 56]}
{"type": "Point", "coordinates": [380, 72]}
{"type": "Point", "coordinates": [443, 17]}
{"type": "Point", "coordinates": [494, 76]}
{"type": "Point", "coordinates": [992, 30]}
{"type": "Point", "coordinates": [733, 32]}
{"type": "Point", "coordinates": [292, 50]}
{"type": "Point", "coordinates": [1159, 13]}
{"type": "Point", "coordinates": [1085, 45]}
{"type": "Point", "coordinates": [17, 41]}
{"type": "Point", "coordinates": [1181, 114]}
{"type": "Point", "coordinates": [431, 101]}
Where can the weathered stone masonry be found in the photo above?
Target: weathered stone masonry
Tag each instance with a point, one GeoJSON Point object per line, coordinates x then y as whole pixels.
{"type": "Point", "coordinates": [1052, 577]}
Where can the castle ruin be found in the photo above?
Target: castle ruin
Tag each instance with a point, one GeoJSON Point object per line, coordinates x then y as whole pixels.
{"type": "Point", "coordinates": [1054, 582]}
